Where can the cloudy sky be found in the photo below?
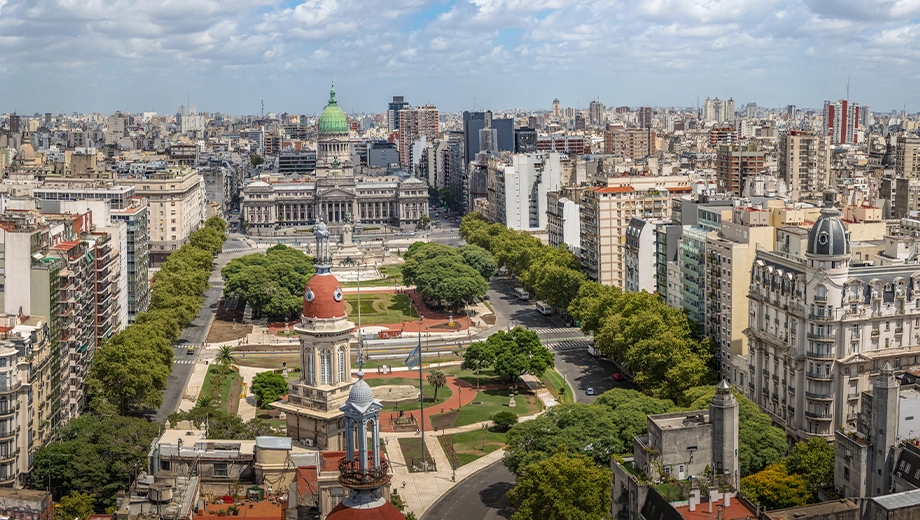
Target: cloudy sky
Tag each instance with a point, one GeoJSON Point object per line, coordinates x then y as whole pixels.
{"type": "Point", "coordinates": [227, 55]}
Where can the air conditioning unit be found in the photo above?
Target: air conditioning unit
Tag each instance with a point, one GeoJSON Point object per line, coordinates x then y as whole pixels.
{"type": "Point", "coordinates": [307, 442]}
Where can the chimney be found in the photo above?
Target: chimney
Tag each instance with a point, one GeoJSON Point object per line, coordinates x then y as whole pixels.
{"type": "Point", "coordinates": [726, 499]}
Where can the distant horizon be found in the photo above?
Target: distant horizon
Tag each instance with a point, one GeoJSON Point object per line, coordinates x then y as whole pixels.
{"type": "Point", "coordinates": [229, 55]}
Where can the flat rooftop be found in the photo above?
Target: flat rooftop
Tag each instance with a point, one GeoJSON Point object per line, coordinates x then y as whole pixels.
{"type": "Point", "coordinates": [813, 510]}
{"type": "Point", "coordinates": [673, 421]}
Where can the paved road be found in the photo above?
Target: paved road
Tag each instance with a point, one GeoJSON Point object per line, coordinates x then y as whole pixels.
{"type": "Point", "coordinates": [196, 333]}
{"type": "Point", "coordinates": [582, 371]}
{"type": "Point", "coordinates": [482, 496]}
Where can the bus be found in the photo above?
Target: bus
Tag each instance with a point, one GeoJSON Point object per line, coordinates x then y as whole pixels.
{"type": "Point", "coordinates": [522, 294]}
{"type": "Point", "coordinates": [544, 309]}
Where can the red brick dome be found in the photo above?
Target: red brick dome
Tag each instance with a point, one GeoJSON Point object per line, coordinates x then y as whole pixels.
{"type": "Point", "coordinates": [387, 511]}
{"type": "Point", "coordinates": [323, 297]}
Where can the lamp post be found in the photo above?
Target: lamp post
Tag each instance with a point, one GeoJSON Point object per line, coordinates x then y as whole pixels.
{"type": "Point", "coordinates": [421, 390]}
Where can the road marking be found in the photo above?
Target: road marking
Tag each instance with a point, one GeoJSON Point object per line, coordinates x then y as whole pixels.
{"type": "Point", "coordinates": [183, 361]}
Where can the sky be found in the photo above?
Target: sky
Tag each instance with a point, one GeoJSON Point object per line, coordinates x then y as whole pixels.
{"type": "Point", "coordinates": [231, 55]}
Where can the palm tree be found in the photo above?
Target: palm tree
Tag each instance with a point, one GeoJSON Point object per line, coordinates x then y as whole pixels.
{"type": "Point", "coordinates": [225, 357]}
{"type": "Point", "coordinates": [437, 379]}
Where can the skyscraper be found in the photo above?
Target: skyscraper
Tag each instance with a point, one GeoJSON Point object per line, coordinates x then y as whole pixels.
{"type": "Point", "coordinates": [556, 112]}
{"type": "Point", "coordinates": [645, 117]}
{"type": "Point", "coordinates": [415, 123]}
{"type": "Point", "coordinates": [474, 123]}
{"type": "Point", "coordinates": [393, 109]}
{"type": "Point", "coordinates": [596, 113]}
{"type": "Point", "coordinates": [841, 118]}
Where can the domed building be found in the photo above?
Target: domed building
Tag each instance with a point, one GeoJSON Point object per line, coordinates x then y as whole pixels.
{"type": "Point", "coordinates": [335, 195]}
{"type": "Point", "coordinates": [312, 407]}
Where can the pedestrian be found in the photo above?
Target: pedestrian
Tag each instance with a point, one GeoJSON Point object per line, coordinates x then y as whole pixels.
{"type": "Point", "coordinates": [417, 430]}
{"type": "Point", "coordinates": [386, 440]}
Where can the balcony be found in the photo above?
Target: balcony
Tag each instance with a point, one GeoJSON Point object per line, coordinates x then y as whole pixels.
{"type": "Point", "coordinates": [899, 330]}
{"type": "Point", "coordinates": [824, 416]}
{"type": "Point", "coordinates": [751, 368]}
{"type": "Point", "coordinates": [791, 409]}
{"type": "Point", "coordinates": [875, 333]}
{"type": "Point", "coordinates": [791, 388]}
{"type": "Point", "coordinates": [822, 397]}
{"type": "Point", "coordinates": [820, 298]}
{"type": "Point", "coordinates": [826, 354]}
{"type": "Point", "coordinates": [821, 336]}
{"type": "Point", "coordinates": [821, 376]}
{"type": "Point", "coordinates": [827, 316]}
{"type": "Point", "coordinates": [775, 378]}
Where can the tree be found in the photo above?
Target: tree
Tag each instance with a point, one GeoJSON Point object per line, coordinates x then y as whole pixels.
{"type": "Point", "coordinates": [75, 506]}
{"type": "Point", "coordinates": [593, 304]}
{"type": "Point", "coordinates": [504, 420]}
{"type": "Point", "coordinates": [268, 387]}
{"type": "Point", "coordinates": [516, 352]}
{"type": "Point", "coordinates": [515, 250]}
{"type": "Point", "coordinates": [555, 284]}
{"type": "Point", "coordinates": [255, 160]}
{"type": "Point", "coordinates": [445, 279]}
{"type": "Point", "coordinates": [776, 488]}
{"type": "Point", "coordinates": [272, 283]}
{"type": "Point", "coordinates": [480, 260]}
{"type": "Point", "coordinates": [437, 379]}
{"type": "Point", "coordinates": [125, 376]}
{"type": "Point", "coordinates": [813, 461]}
{"type": "Point", "coordinates": [96, 455]}
{"type": "Point", "coordinates": [566, 486]}
{"type": "Point", "coordinates": [225, 357]}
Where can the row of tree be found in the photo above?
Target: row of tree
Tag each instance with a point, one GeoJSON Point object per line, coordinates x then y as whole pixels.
{"type": "Point", "coordinates": [130, 369]}
{"type": "Point", "coordinates": [552, 274]}
{"type": "Point", "coordinates": [98, 453]}
{"type": "Point", "coordinates": [273, 283]}
{"type": "Point", "coordinates": [446, 274]}
{"type": "Point", "coordinates": [590, 434]}
{"type": "Point", "coordinates": [652, 340]}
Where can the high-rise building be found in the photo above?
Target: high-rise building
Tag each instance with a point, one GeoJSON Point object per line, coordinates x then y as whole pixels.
{"type": "Point", "coordinates": [865, 116]}
{"type": "Point", "coordinates": [483, 133]}
{"type": "Point", "coordinates": [596, 113]}
{"type": "Point", "coordinates": [804, 163]}
{"type": "Point", "coordinates": [718, 111]}
{"type": "Point", "coordinates": [631, 143]}
{"type": "Point", "coordinates": [15, 123]}
{"type": "Point", "coordinates": [517, 188]}
{"type": "Point", "coordinates": [135, 216]}
{"type": "Point", "coordinates": [415, 123]}
{"type": "Point", "coordinates": [525, 140]}
{"type": "Point", "coordinates": [557, 112]}
{"type": "Point", "coordinates": [841, 118]}
{"type": "Point", "coordinates": [645, 117]}
{"type": "Point", "coordinates": [393, 109]}
{"type": "Point", "coordinates": [734, 164]}
{"type": "Point", "coordinates": [907, 157]}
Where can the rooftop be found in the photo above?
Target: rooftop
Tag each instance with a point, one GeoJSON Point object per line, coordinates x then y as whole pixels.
{"type": "Point", "coordinates": [813, 510]}
{"type": "Point", "coordinates": [735, 511]}
{"type": "Point", "coordinates": [899, 500]}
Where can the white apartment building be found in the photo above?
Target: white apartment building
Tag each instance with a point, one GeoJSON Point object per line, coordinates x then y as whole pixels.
{"type": "Point", "coordinates": [640, 255]}
{"type": "Point", "coordinates": [563, 221]}
{"type": "Point", "coordinates": [176, 207]}
{"type": "Point", "coordinates": [804, 163]}
{"type": "Point", "coordinates": [820, 329]}
{"type": "Point", "coordinates": [517, 189]}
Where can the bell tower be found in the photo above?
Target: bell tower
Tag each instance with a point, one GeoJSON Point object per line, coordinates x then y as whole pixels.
{"type": "Point", "coordinates": [313, 404]}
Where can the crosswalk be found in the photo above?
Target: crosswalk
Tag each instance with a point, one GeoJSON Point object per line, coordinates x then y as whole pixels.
{"type": "Point", "coordinates": [236, 250]}
{"type": "Point", "coordinates": [573, 344]}
{"type": "Point", "coordinates": [554, 330]}
{"type": "Point", "coordinates": [179, 361]}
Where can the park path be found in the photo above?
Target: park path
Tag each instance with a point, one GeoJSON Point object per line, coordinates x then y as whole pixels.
{"type": "Point", "coordinates": [457, 399]}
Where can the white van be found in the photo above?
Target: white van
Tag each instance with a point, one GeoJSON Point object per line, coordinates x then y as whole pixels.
{"type": "Point", "coordinates": [522, 294]}
{"type": "Point", "coordinates": [544, 309]}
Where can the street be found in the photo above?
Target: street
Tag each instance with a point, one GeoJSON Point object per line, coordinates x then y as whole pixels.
{"type": "Point", "coordinates": [482, 496]}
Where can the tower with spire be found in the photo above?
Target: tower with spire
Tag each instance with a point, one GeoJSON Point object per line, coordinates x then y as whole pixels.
{"type": "Point", "coordinates": [313, 406]}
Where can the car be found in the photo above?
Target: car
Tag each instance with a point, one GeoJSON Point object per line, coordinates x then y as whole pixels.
{"type": "Point", "coordinates": [590, 391]}
{"type": "Point", "coordinates": [190, 351]}
{"type": "Point", "coordinates": [618, 377]}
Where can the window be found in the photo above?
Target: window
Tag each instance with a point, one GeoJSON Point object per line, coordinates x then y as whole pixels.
{"type": "Point", "coordinates": [342, 364]}
{"type": "Point", "coordinates": [311, 375]}
{"type": "Point", "coordinates": [220, 469]}
{"type": "Point", "coordinates": [325, 367]}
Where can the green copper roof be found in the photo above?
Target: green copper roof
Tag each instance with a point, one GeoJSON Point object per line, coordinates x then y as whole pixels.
{"type": "Point", "coordinates": [333, 120]}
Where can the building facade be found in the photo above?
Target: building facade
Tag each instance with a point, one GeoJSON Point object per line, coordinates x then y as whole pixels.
{"type": "Point", "coordinates": [804, 163]}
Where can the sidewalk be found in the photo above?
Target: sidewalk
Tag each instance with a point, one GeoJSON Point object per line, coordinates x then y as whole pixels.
{"type": "Point", "coordinates": [536, 386]}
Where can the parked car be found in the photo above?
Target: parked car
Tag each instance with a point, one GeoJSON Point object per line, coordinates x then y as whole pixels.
{"type": "Point", "coordinates": [590, 391]}
{"type": "Point", "coordinates": [619, 377]}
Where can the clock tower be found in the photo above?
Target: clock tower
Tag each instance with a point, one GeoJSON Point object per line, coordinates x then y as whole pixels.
{"type": "Point", "coordinates": [313, 404]}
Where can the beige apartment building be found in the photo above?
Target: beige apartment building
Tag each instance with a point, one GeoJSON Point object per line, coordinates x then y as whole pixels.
{"type": "Point", "coordinates": [907, 157]}
{"type": "Point", "coordinates": [605, 212]}
{"type": "Point", "coordinates": [804, 163]}
{"type": "Point", "coordinates": [176, 207]}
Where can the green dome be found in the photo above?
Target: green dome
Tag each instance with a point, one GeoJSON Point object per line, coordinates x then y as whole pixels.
{"type": "Point", "coordinates": [333, 120]}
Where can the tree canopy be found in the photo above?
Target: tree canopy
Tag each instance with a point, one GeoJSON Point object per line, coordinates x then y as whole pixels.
{"type": "Point", "coordinates": [441, 273]}
{"type": "Point", "coordinates": [268, 387]}
{"type": "Point", "coordinates": [565, 485]}
{"type": "Point", "coordinates": [272, 283]}
{"type": "Point", "coordinates": [776, 488]}
{"type": "Point", "coordinates": [510, 354]}
{"type": "Point", "coordinates": [814, 461]}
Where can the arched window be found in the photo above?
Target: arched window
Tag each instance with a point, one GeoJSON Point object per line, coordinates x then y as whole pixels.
{"type": "Point", "coordinates": [325, 367]}
{"type": "Point", "coordinates": [342, 364]}
{"type": "Point", "coordinates": [310, 367]}
{"type": "Point", "coordinates": [821, 293]}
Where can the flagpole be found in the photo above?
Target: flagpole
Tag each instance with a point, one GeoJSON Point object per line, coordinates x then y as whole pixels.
{"type": "Point", "coordinates": [421, 390]}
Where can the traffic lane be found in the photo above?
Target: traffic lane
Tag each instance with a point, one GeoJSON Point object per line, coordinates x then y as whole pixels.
{"type": "Point", "coordinates": [507, 307]}
{"type": "Point", "coordinates": [583, 371]}
{"type": "Point", "coordinates": [481, 496]}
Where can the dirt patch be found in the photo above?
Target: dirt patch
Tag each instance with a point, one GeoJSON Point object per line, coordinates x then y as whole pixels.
{"type": "Point", "coordinates": [233, 404]}
{"type": "Point", "coordinates": [223, 328]}
{"type": "Point", "coordinates": [443, 421]}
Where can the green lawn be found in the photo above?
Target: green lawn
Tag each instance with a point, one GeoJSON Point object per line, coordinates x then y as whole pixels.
{"type": "Point", "coordinates": [554, 382]}
{"type": "Point", "coordinates": [444, 393]}
{"type": "Point", "coordinates": [393, 277]}
{"type": "Point", "coordinates": [274, 361]}
{"type": "Point", "coordinates": [472, 445]}
{"type": "Point", "coordinates": [485, 377]}
{"type": "Point", "coordinates": [379, 308]}
{"type": "Point", "coordinates": [412, 448]}
{"type": "Point", "coordinates": [224, 392]}
{"type": "Point", "coordinates": [496, 401]}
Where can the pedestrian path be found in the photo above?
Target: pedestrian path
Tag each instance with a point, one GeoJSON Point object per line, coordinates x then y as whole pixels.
{"type": "Point", "coordinates": [236, 250]}
{"type": "Point", "coordinates": [573, 344]}
{"type": "Point", "coordinates": [554, 330]}
{"type": "Point", "coordinates": [180, 361]}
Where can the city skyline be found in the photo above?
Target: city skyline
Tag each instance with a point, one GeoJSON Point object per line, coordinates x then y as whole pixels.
{"type": "Point", "coordinates": [61, 55]}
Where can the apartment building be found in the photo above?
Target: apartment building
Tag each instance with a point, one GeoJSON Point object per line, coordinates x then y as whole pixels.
{"type": "Point", "coordinates": [137, 279]}
{"type": "Point", "coordinates": [804, 164]}
{"type": "Point", "coordinates": [907, 157]}
{"type": "Point", "coordinates": [415, 123]}
{"type": "Point", "coordinates": [563, 222]}
{"type": "Point", "coordinates": [632, 143]}
{"type": "Point", "coordinates": [176, 207]}
{"type": "Point", "coordinates": [605, 213]}
{"type": "Point", "coordinates": [563, 143]}
{"type": "Point", "coordinates": [821, 328]}
{"type": "Point", "coordinates": [517, 189]}
{"type": "Point", "coordinates": [906, 197]}
{"type": "Point", "coordinates": [735, 163]}
{"type": "Point", "coordinates": [641, 254]}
